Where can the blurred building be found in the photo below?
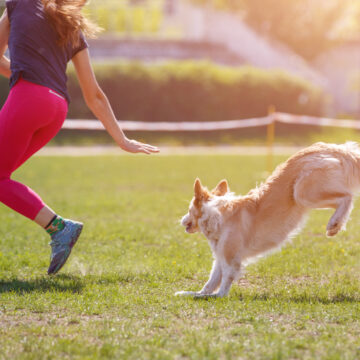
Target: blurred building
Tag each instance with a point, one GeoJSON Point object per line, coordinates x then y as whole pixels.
{"type": "Point", "coordinates": [187, 31]}
{"type": "Point", "coordinates": [176, 29]}
{"type": "Point", "coordinates": [155, 30]}
{"type": "Point", "coordinates": [341, 67]}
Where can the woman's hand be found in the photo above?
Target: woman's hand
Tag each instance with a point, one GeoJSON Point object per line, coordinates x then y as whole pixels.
{"type": "Point", "coordinates": [100, 106]}
{"type": "Point", "coordinates": [134, 146]}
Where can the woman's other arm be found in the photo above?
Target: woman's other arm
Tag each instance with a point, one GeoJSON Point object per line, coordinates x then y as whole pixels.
{"type": "Point", "coordinates": [98, 103]}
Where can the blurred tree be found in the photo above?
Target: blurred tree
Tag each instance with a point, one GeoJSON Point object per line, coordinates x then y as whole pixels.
{"type": "Point", "coordinates": [349, 28]}
{"type": "Point", "coordinates": [355, 85]}
{"type": "Point", "coordinates": [306, 26]}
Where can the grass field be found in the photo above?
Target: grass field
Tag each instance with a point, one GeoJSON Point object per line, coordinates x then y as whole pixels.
{"type": "Point", "coordinates": [114, 299]}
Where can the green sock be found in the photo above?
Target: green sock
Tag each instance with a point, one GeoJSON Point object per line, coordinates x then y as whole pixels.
{"type": "Point", "coordinates": [55, 225]}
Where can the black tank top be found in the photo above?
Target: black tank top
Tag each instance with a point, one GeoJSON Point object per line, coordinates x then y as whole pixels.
{"type": "Point", "coordinates": [34, 52]}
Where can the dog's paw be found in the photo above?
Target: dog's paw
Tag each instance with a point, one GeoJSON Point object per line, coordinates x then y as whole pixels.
{"type": "Point", "coordinates": [333, 229]}
{"type": "Point", "coordinates": [187, 293]}
{"type": "Point", "coordinates": [332, 232]}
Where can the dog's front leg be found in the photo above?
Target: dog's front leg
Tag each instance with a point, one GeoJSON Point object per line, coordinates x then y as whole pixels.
{"type": "Point", "coordinates": [228, 277]}
{"type": "Point", "coordinates": [211, 285]}
{"type": "Point", "coordinates": [214, 279]}
{"type": "Point", "coordinates": [228, 274]}
{"type": "Point", "coordinates": [226, 281]}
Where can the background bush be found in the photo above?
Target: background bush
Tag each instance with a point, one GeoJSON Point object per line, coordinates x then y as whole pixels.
{"type": "Point", "coordinates": [196, 91]}
{"type": "Point", "coordinates": [192, 91]}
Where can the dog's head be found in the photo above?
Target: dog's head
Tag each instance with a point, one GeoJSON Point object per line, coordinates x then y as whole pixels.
{"type": "Point", "coordinates": [201, 196]}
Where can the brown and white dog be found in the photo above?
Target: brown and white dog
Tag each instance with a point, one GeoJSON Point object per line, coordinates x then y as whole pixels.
{"type": "Point", "coordinates": [240, 228]}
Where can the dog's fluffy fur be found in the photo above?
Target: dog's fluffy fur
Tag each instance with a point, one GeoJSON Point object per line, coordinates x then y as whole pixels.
{"type": "Point", "coordinates": [240, 228]}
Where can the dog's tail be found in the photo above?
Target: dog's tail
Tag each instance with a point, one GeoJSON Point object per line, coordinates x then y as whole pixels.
{"type": "Point", "coordinates": [352, 147]}
{"type": "Point", "coordinates": [351, 163]}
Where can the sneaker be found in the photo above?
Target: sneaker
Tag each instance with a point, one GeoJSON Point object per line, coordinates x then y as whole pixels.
{"type": "Point", "coordinates": [62, 243]}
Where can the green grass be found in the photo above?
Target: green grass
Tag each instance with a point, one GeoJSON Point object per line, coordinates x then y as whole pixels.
{"type": "Point", "coordinates": [284, 135]}
{"type": "Point", "coordinates": [114, 299]}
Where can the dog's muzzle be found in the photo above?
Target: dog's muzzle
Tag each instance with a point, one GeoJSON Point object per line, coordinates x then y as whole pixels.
{"type": "Point", "coordinates": [187, 223]}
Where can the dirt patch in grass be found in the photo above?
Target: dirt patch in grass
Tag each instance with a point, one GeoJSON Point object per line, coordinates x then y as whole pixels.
{"type": "Point", "coordinates": [44, 319]}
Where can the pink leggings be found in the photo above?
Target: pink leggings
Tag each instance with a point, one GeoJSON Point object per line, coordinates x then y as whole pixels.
{"type": "Point", "coordinates": [31, 116]}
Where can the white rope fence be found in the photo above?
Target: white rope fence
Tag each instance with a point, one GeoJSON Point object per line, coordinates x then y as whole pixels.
{"type": "Point", "coordinates": [215, 125]}
{"type": "Point", "coordinates": [318, 121]}
{"type": "Point", "coordinates": [268, 121]}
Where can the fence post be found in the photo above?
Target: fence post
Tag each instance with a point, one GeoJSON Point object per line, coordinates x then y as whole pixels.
{"type": "Point", "coordinates": [270, 139]}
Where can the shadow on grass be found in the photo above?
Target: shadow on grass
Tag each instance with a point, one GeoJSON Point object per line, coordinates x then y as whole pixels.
{"type": "Point", "coordinates": [60, 283]}
{"type": "Point", "coordinates": [66, 283]}
{"type": "Point", "coordinates": [307, 298]}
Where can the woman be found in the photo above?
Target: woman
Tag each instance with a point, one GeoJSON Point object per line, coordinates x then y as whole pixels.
{"type": "Point", "coordinates": [43, 36]}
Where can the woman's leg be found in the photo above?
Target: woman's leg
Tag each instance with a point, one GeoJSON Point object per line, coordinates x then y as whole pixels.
{"type": "Point", "coordinates": [30, 117]}
{"type": "Point", "coordinates": [13, 143]}
{"type": "Point", "coordinates": [28, 120]}
{"type": "Point", "coordinates": [39, 139]}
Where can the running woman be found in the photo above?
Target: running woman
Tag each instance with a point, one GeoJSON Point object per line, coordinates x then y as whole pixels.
{"type": "Point", "coordinates": [43, 36]}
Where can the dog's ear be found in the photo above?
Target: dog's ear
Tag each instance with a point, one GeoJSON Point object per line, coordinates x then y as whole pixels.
{"type": "Point", "coordinates": [198, 189]}
{"type": "Point", "coordinates": [221, 188]}
{"type": "Point", "coordinates": [200, 192]}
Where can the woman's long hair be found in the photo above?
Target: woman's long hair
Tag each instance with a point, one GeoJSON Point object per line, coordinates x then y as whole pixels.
{"type": "Point", "coordinates": [68, 20]}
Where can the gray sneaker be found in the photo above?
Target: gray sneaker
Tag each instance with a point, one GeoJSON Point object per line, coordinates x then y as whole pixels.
{"type": "Point", "coordinates": [62, 243]}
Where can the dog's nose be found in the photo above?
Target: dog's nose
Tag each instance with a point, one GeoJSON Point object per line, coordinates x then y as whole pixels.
{"type": "Point", "coordinates": [185, 220]}
{"type": "Point", "coordinates": [188, 227]}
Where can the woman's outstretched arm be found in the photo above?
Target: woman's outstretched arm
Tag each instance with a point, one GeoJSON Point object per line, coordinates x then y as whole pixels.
{"type": "Point", "coordinates": [98, 103]}
{"type": "Point", "coordinates": [4, 37]}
